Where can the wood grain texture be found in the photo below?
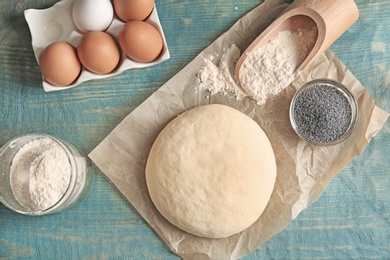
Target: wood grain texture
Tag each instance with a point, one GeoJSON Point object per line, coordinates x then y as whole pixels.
{"type": "Point", "coordinates": [350, 220]}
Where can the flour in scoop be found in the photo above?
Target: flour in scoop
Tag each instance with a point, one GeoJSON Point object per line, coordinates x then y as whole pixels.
{"type": "Point", "coordinates": [272, 67]}
{"type": "Point", "coordinates": [266, 73]}
{"type": "Point", "coordinates": [40, 174]}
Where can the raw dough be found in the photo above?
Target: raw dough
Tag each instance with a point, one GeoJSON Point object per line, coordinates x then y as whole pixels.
{"type": "Point", "coordinates": [211, 171]}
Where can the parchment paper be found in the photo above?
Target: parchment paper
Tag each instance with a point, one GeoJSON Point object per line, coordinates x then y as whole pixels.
{"type": "Point", "coordinates": [303, 170]}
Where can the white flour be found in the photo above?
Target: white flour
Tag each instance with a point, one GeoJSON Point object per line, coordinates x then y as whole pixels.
{"type": "Point", "coordinates": [219, 79]}
{"type": "Point", "coordinates": [40, 174]}
{"type": "Point", "coordinates": [271, 68]}
{"type": "Point", "coordinates": [266, 73]}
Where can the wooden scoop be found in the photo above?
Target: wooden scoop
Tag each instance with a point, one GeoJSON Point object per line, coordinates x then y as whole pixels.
{"type": "Point", "coordinates": [328, 18]}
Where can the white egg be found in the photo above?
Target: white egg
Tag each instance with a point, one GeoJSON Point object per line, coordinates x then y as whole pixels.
{"type": "Point", "coordinates": [92, 15]}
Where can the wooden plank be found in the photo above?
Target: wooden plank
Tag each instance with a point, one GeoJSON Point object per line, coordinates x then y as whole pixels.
{"type": "Point", "coordinates": [350, 220]}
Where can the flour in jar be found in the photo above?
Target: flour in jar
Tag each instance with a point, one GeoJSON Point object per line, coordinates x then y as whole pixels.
{"type": "Point", "coordinates": [266, 73]}
{"type": "Point", "coordinates": [40, 174]}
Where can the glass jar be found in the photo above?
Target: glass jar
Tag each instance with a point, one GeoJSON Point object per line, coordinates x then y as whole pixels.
{"type": "Point", "coordinates": [323, 106]}
{"type": "Point", "coordinates": [78, 185]}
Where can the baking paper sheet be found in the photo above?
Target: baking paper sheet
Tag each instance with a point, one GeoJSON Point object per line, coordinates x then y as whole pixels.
{"type": "Point", "coordinates": [303, 170]}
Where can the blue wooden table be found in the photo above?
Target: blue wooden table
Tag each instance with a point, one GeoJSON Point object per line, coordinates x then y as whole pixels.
{"type": "Point", "coordinates": [350, 220]}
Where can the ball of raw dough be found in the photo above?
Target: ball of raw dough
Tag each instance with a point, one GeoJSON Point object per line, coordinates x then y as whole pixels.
{"type": "Point", "coordinates": [211, 171]}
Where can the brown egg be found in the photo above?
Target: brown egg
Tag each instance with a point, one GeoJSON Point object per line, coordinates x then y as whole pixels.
{"type": "Point", "coordinates": [98, 52]}
{"type": "Point", "coordinates": [140, 41]}
{"type": "Point", "coordinates": [59, 64]}
{"type": "Point", "coordinates": [133, 10]}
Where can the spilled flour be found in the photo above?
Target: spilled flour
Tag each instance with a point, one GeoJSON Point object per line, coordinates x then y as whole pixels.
{"type": "Point", "coordinates": [266, 73]}
{"type": "Point", "coordinates": [219, 78]}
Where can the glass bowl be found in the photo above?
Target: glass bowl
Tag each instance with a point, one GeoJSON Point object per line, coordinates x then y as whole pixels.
{"type": "Point", "coordinates": [323, 112]}
{"type": "Point", "coordinates": [18, 196]}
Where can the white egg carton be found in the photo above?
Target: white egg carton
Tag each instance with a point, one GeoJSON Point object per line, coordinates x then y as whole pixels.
{"type": "Point", "coordinates": [56, 24]}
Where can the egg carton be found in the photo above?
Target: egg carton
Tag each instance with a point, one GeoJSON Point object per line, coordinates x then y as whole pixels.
{"type": "Point", "coordinates": [55, 24]}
